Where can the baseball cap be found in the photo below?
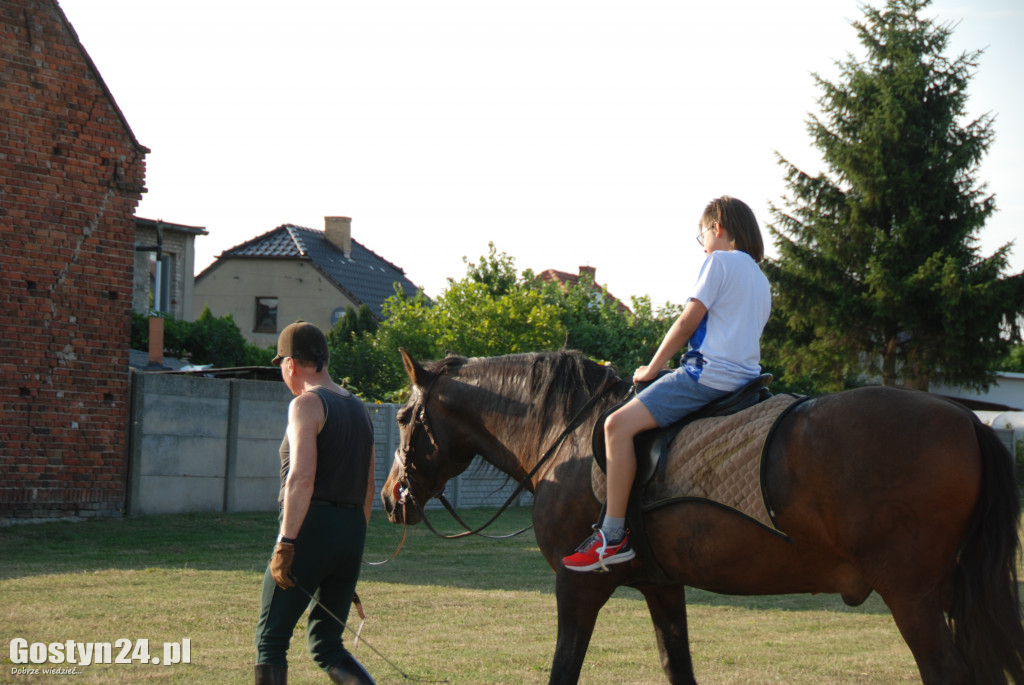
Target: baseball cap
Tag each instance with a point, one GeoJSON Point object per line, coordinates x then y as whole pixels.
{"type": "Point", "coordinates": [302, 340]}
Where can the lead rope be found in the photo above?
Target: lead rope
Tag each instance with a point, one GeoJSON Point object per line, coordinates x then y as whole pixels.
{"type": "Point", "coordinates": [401, 543]}
{"type": "Point", "coordinates": [345, 626]}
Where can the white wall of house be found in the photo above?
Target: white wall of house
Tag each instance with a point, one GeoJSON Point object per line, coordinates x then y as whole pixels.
{"type": "Point", "coordinates": [1008, 390]}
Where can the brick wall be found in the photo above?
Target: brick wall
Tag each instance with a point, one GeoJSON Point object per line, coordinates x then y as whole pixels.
{"type": "Point", "coordinates": [71, 176]}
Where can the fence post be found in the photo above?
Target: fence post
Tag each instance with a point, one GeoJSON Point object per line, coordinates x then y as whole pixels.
{"type": "Point", "coordinates": [138, 388]}
{"type": "Point", "coordinates": [231, 445]}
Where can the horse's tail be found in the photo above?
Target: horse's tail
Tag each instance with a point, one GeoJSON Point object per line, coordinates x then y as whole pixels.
{"type": "Point", "coordinates": [986, 613]}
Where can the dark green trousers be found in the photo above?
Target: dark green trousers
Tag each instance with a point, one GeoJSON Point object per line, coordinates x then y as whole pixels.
{"type": "Point", "coordinates": [328, 555]}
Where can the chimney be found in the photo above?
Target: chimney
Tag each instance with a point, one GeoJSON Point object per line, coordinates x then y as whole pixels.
{"type": "Point", "coordinates": [592, 270]}
{"type": "Point", "coordinates": [338, 230]}
{"type": "Point", "coordinates": [156, 342]}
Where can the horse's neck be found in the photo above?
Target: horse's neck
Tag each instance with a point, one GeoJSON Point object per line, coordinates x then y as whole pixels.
{"type": "Point", "coordinates": [516, 445]}
{"type": "Point", "coordinates": [523, 413]}
{"type": "Point", "coordinates": [508, 448]}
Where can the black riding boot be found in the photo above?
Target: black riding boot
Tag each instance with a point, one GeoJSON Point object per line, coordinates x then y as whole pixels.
{"type": "Point", "coordinates": [350, 672]}
{"type": "Point", "coordinates": [271, 675]}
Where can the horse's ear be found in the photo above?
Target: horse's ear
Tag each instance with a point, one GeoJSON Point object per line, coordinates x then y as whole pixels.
{"type": "Point", "coordinates": [417, 374]}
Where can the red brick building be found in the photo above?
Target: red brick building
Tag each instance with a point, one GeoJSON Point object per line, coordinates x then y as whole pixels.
{"type": "Point", "coordinates": [71, 175]}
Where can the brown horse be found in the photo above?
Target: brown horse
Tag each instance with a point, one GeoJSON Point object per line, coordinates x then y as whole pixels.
{"type": "Point", "coordinates": [878, 489]}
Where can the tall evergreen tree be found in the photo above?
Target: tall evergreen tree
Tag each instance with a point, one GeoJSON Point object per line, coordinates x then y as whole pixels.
{"type": "Point", "coordinates": [879, 270]}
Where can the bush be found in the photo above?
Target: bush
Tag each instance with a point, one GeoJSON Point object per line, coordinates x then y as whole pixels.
{"type": "Point", "coordinates": [209, 340]}
{"type": "Point", "coordinates": [216, 341]}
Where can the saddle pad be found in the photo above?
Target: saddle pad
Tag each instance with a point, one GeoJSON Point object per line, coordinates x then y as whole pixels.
{"type": "Point", "coordinates": [716, 459]}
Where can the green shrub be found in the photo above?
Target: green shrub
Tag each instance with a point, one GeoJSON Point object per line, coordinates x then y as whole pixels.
{"type": "Point", "coordinates": [209, 340]}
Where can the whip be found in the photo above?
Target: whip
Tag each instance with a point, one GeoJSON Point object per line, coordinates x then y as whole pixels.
{"type": "Point", "coordinates": [345, 626]}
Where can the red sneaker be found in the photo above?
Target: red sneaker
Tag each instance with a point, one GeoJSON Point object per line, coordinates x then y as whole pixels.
{"type": "Point", "coordinates": [596, 553]}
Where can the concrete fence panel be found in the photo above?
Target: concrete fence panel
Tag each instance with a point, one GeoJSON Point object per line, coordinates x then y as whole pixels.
{"type": "Point", "coordinates": [209, 444]}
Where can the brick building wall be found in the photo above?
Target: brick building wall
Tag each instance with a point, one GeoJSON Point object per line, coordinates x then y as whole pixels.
{"type": "Point", "coordinates": [71, 176]}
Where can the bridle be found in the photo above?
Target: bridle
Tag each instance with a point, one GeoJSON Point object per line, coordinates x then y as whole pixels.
{"type": "Point", "coordinates": [404, 491]}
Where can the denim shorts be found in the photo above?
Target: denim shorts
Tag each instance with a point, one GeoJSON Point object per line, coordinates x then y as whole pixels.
{"type": "Point", "coordinates": [675, 395]}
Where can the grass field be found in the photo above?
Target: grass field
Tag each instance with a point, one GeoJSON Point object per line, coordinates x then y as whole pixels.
{"type": "Point", "coordinates": [463, 611]}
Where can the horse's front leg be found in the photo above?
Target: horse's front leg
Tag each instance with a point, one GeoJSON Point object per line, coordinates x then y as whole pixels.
{"type": "Point", "coordinates": [667, 604]}
{"type": "Point", "coordinates": [580, 597]}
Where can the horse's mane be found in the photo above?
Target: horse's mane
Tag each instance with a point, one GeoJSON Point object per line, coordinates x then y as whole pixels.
{"type": "Point", "coordinates": [547, 387]}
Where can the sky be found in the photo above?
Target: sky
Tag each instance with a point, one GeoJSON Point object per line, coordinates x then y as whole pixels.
{"type": "Point", "coordinates": [567, 132]}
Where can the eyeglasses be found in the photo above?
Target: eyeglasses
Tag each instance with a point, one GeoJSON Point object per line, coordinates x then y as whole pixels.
{"type": "Point", "coordinates": [700, 236]}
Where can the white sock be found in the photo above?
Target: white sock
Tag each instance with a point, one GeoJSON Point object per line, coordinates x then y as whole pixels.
{"type": "Point", "coordinates": [613, 529]}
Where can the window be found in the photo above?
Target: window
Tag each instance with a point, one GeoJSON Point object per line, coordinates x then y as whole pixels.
{"type": "Point", "coordinates": [161, 278]}
{"type": "Point", "coordinates": [266, 315]}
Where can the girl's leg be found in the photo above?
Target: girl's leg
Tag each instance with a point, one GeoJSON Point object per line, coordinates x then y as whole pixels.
{"type": "Point", "coordinates": [668, 399]}
{"type": "Point", "coordinates": [610, 544]}
{"type": "Point", "coordinates": [619, 430]}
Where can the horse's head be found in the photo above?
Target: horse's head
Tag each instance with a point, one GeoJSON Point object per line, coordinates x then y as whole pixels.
{"type": "Point", "coordinates": [507, 409]}
{"type": "Point", "coordinates": [429, 453]}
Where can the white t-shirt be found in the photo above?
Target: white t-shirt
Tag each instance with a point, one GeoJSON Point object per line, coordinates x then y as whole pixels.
{"type": "Point", "coordinates": [725, 350]}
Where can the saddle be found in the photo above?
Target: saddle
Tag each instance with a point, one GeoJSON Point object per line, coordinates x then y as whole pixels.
{"type": "Point", "coordinates": [652, 455]}
{"type": "Point", "coordinates": [652, 445]}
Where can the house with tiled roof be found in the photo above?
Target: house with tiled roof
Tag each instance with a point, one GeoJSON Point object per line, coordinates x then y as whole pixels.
{"type": "Point", "coordinates": [293, 272]}
{"type": "Point", "coordinates": [567, 280]}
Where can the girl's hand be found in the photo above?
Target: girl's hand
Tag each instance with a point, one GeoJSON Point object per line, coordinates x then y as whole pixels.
{"type": "Point", "coordinates": [645, 374]}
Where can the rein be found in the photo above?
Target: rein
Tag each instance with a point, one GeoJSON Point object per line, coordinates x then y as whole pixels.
{"type": "Point", "coordinates": [405, 530]}
{"type": "Point", "coordinates": [574, 423]}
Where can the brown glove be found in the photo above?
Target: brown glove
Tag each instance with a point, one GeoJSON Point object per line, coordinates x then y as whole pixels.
{"type": "Point", "coordinates": [281, 564]}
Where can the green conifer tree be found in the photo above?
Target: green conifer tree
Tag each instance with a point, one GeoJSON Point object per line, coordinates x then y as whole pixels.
{"type": "Point", "coordinates": [879, 271]}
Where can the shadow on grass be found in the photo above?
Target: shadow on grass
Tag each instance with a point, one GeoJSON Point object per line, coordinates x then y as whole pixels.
{"type": "Point", "coordinates": [198, 541]}
{"type": "Point", "coordinates": [243, 541]}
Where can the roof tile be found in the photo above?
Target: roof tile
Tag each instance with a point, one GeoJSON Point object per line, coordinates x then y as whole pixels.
{"type": "Point", "coordinates": [366, 276]}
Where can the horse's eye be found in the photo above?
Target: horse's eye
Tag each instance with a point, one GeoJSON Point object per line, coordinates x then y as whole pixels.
{"type": "Point", "coordinates": [403, 416]}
